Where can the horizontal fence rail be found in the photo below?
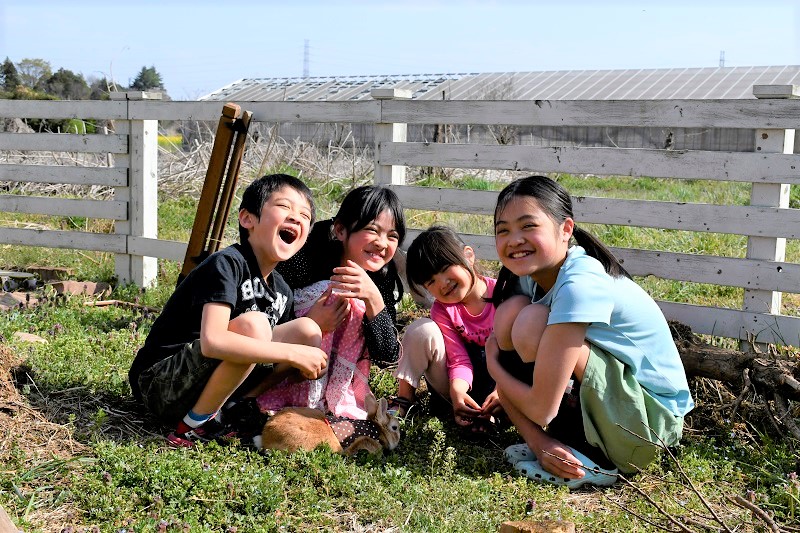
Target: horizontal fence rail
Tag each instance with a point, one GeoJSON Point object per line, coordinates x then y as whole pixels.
{"type": "Point", "coordinates": [750, 114]}
{"type": "Point", "coordinates": [636, 162]}
{"type": "Point", "coordinates": [127, 132]}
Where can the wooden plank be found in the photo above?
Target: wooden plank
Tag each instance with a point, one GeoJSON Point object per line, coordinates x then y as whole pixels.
{"type": "Point", "coordinates": [45, 205]}
{"type": "Point", "coordinates": [64, 142]}
{"type": "Point", "coordinates": [108, 176]}
{"type": "Point", "coordinates": [726, 271]}
{"type": "Point", "coordinates": [749, 114]}
{"type": "Point", "coordinates": [77, 240]}
{"type": "Point", "coordinates": [209, 196]}
{"type": "Point", "coordinates": [735, 324]}
{"type": "Point", "coordinates": [638, 162]}
{"type": "Point", "coordinates": [746, 113]}
{"type": "Point", "coordinates": [768, 142]}
{"type": "Point", "coordinates": [229, 185]}
{"type": "Point", "coordinates": [161, 248]}
{"type": "Point", "coordinates": [365, 111]}
{"type": "Point", "coordinates": [707, 218]}
{"type": "Point", "coordinates": [695, 268]}
{"type": "Point", "coordinates": [63, 109]}
{"type": "Point", "coordinates": [6, 525]}
{"type": "Point", "coordinates": [727, 219]}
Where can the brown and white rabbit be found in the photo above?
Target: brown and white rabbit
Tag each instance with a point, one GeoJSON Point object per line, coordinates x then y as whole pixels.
{"type": "Point", "coordinates": [294, 428]}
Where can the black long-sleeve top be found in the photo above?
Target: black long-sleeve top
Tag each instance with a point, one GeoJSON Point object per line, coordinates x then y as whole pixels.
{"type": "Point", "coordinates": [315, 262]}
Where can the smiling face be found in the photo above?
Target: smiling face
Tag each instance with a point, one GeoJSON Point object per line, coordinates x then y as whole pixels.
{"type": "Point", "coordinates": [451, 285]}
{"type": "Point", "coordinates": [373, 246]}
{"type": "Point", "coordinates": [531, 243]}
{"type": "Point", "coordinates": [282, 228]}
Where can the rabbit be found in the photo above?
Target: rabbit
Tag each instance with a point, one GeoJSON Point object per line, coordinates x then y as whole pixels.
{"type": "Point", "coordinates": [294, 428]}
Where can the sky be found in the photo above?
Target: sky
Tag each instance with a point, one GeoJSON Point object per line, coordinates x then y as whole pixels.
{"type": "Point", "coordinates": [203, 45]}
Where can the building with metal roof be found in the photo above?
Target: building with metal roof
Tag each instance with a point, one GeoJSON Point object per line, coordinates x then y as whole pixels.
{"type": "Point", "coordinates": [628, 84]}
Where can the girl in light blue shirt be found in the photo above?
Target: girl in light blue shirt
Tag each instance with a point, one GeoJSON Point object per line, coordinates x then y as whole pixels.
{"type": "Point", "coordinates": [584, 361]}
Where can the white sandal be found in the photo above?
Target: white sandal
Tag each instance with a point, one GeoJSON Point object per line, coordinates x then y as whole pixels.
{"type": "Point", "coordinates": [519, 452]}
{"type": "Point", "coordinates": [594, 474]}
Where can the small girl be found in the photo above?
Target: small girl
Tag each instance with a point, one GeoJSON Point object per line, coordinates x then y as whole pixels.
{"type": "Point", "coordinates": [448, 348]}
{"type": "Point", "coordinates": [583, 358]}
{"type": "Point", "coordinates": [345, 279]}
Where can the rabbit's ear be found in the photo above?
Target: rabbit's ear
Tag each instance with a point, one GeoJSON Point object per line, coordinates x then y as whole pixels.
{"type": "Point", "coordinates": [371, 404]}
{"type": "Point", "coordinates": [382, 416]}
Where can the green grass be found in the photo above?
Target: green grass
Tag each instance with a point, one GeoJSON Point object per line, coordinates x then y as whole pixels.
{"type": "Point", "coordinates": [89, 457]}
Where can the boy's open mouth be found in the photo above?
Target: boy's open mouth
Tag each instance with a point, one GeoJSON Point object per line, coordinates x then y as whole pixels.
{"type": "Point", "coordinates": [288, 235]}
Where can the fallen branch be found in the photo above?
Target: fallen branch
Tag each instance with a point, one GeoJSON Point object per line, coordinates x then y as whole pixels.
{"type": "Point", "coordinates": [123, 303]}
{"type": "Point", "coordinates": [701, 359]}
{"type": "Point", "coordinates": [757, 511]}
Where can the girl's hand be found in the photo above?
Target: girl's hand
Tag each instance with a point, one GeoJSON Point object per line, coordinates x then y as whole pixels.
{"type": "Point", "coordinates": [329, 311]}
{"type": "Point", "coordinates": [552, 456]}
{"type": "Point", "coordinates": [352, 281]}
{"type": "Point", "coordinates": [464, 407]}
{"type": "Point", "coordinates": [491, 405]}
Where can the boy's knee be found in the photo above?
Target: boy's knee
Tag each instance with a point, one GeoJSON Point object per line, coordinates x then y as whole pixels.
{"type": "Point", "coordinates": [252, 324]}
{"type": "Point", "coordinates": [309, 331]}
{"type": "Point", "coordinates": [302, 330]}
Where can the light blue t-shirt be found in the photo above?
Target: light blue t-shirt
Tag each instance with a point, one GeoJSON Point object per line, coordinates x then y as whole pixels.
{"type": "Point", "coordinates": [623, 320]}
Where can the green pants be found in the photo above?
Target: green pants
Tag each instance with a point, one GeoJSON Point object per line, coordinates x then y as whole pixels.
{"type": "Point", "coordinates": [621, 417]}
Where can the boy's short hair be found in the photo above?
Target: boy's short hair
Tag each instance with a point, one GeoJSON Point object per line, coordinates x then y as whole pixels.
{"type": "Point", "coordinates": [257, 193]}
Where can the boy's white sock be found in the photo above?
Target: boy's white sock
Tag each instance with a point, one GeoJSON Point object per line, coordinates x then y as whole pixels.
{"type": "Point", "coordinates": [194, 420]}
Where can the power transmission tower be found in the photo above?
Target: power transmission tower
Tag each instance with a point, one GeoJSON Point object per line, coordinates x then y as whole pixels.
{"type": "Point", "coordinates": [722, 58]}
{"type": "Point", "coordinates": [305, 59]}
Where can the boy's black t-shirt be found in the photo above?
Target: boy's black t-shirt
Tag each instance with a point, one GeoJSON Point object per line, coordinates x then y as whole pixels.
{"type": "Point", "coordinates": [230, 276]}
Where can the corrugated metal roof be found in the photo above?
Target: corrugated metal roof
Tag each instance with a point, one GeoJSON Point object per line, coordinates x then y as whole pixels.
{"type": "Point", "coordinates": [629, 84]}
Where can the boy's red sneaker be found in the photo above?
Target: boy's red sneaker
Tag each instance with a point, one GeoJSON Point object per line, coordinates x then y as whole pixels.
{"type": "Point", "coordinates": [212, 430]}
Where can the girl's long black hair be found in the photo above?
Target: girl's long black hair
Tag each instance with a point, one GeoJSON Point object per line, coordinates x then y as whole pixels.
{"type": "Point", "coordinates": [554, 200]}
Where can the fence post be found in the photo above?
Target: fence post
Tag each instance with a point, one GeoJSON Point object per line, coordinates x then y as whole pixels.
{"type": "Point", "coordinates": [773, 195]}
{"type": "Point", "coordinates": [141, 194]}
{"type": "Point", "coordinates": [389, 132]}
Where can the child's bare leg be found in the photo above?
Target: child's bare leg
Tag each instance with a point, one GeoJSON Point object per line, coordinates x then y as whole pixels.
{"type": "Point", "coordinates": [504, 318]}
{"type": "Point", "coordinates": [527, 329]}
{"type": "Point", "coordinates": [546, 448]}
{"type": "Point", "coordinates": [422, 353]}
{"type": "Point", "coordinates": [227, 377]}
{"type": "Point", "coordinates": [302, 330]}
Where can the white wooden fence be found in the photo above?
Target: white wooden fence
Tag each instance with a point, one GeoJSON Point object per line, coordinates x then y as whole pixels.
{"type": "Point", "coordinates": [767, 222]}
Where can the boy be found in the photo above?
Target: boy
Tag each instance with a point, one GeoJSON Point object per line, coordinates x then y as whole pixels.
{"type": "Point", "coordinates": [231, 315]}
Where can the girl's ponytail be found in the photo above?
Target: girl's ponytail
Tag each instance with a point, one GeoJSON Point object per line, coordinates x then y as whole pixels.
{"type": "Point", "coordinates": [599, 251]}
{"type": "Point", "coordinates": [504, 287]}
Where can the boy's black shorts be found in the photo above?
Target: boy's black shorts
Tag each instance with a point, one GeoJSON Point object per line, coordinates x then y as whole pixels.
{"type": "Point", "coordinates": [171, 387]}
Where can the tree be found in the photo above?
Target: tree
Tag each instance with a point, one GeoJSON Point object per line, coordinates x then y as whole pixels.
{"type": "Point", "coordinates": [66, 85]}
{"type": "Point", "coordinates": [101, 87]}
{"type": "Point", "coordinates": [32, 71]}
{"type": "Point", "coordinates": [148, 78]}
{"type": "Point", "coordinates": [9, 77]}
